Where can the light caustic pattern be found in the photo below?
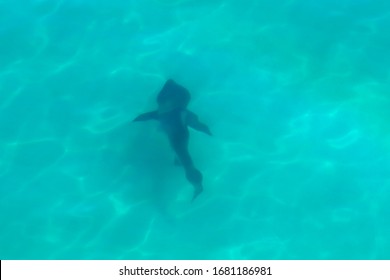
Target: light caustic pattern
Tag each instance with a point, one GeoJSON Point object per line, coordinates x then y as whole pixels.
{"type": "Point", "coordinates": [295, 92]}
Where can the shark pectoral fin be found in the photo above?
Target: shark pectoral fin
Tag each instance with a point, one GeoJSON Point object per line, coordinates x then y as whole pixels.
{"type": "Point", "coordinates": [153, 115]}
{"type": "Point", "coordinates": [192, 121]}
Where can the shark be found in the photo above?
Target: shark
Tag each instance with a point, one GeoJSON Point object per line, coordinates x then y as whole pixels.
{"type": "Point", "coordinates": [175, 119]}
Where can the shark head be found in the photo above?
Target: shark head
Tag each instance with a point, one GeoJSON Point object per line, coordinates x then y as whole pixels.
{"type": "Point", "coordinates": [172, 96]}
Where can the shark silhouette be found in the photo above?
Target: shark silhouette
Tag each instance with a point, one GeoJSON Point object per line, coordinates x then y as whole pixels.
{"type": "Point", "coordinates": [175, 119]}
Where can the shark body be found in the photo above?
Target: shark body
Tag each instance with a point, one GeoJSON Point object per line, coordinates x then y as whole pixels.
{"type": "Point", "coordinates": [175, 118]}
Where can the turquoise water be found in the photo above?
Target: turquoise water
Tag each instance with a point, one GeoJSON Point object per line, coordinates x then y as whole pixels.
{"type": "Point", "coordinates": [295, 92]}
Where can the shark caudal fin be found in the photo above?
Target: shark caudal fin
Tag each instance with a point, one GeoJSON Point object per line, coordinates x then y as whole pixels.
{"type": "Point", "coordinates": [195, 178]}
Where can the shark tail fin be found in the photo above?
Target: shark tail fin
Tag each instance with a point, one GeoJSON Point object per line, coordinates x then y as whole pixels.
{"type": "Point", "coordinates": [195, 178]}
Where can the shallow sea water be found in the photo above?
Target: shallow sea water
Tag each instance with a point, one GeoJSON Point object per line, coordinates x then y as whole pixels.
{"type": "Point", "coordinates": [295, 92]}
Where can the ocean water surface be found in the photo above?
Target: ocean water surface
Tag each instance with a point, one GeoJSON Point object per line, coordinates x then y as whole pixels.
{"type": "Point", "coordinates": [296, 93]}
